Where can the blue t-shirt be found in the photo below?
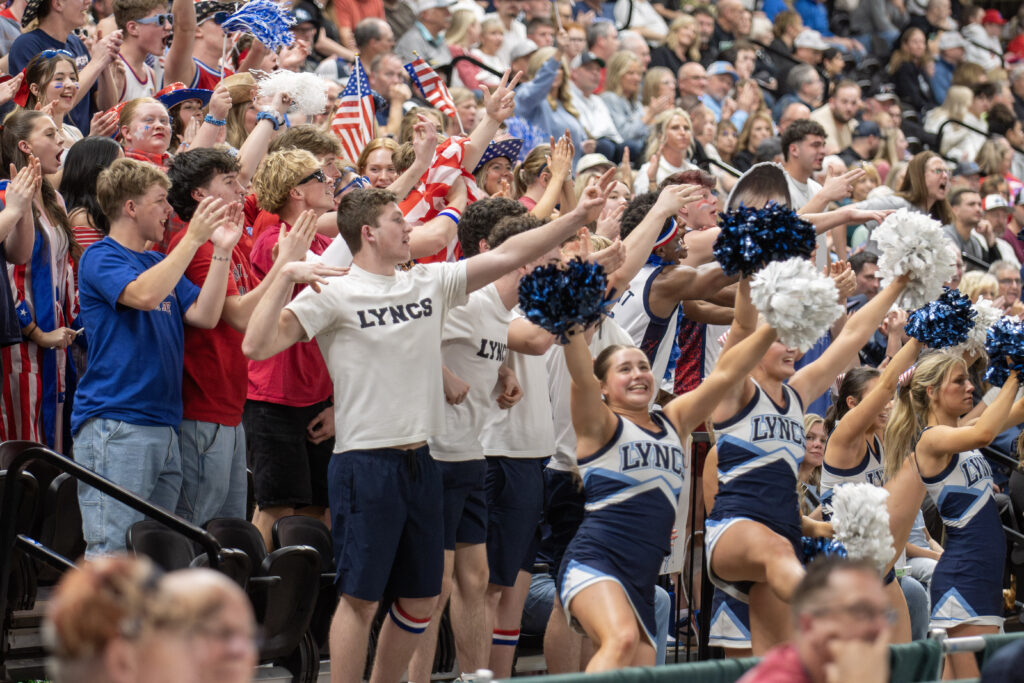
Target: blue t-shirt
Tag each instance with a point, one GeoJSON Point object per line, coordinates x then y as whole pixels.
{"type": "Point", "coordinates": [135, 357]}
{"type": "Point", "coordinates": [28, 45]}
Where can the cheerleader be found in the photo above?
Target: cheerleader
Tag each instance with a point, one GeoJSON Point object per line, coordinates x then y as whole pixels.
{"type": "Point", "coordinates": [966, 586]}
{"type": "Point", "coordinates": [633, 464]}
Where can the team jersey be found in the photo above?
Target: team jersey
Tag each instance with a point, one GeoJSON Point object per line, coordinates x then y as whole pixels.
{"type": "Point", "coordinates": [474, 344]}
{"type": "Point", "coordinates": [870, 469]}
{"type": "Point", "coordinates": [207, 77]}
{"type": "Point", "coordinates": [652, 334]}
{"type": "Point", "coordinates": [137, 85]}
{"type": "Point", "coordinates": [759, 454]}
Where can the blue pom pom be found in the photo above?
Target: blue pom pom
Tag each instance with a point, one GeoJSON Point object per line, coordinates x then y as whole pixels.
{"type": "Point", "coordinates": [813, 548]}
{"type": "Point", "coordinates": [944, 322]}
{"type": "Point", "coordinates": [558, 298]}
{"type": "Point", "coordinates": [751, 238]}
{"type": "Point", "coordinates": [268, 21]}
{"type": "Point", "coordinates": [1005, 339]}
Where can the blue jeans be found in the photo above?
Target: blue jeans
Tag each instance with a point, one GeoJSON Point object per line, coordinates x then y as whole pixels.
{"type": "Point", "coordinates": [918, 606]}
{"type": "Point", "coordinates": [541, 597]}
{"type": "Point", "coordinates": [213, 472]}
{"type": "Point", "coordinates": [143, 459]}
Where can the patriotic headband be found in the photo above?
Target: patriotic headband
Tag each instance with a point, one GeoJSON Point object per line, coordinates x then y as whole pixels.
{"type": "Point", "coordinates": [668, 234]}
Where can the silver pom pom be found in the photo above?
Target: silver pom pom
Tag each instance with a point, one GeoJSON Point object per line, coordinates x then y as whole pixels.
{"type": "Point", "coordinates": [911, 243]}
{"type": "Point", "coordinates": [308, 92]}
{"type": "Point", "coordinates": [987, 315]}
{"type": "Point", "coordinates": [860, 520]}
{"type": "Point", "coordinates": [796, 300]}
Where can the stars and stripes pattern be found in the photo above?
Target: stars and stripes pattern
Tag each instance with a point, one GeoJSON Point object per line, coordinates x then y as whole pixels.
{"type": "Point", "coordinates": [430, 84]}
{"type": "Point", "coordinates": [353, 120]}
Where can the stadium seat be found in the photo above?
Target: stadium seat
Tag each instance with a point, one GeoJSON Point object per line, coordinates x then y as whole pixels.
{"type": "Point", "coordinates": [233, 563]}
{"type": "Point", "coordinates": [303, 530]}
{"type": "Point", "coordinates": [60, 525]}
{"type": "Point", "coordinates": [166, 547]}
{"type": "Point", "coordinates": [241, 534]}
{"type": "Point", "coordinates": [23, 583]}
{"type": "Point", "coordinates": [285, 606]}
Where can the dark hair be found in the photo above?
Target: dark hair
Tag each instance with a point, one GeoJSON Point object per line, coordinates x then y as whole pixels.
{"type": "Point", "coordinates": [40, 71]}
{"type": "Point", "coordinates": [1000, 119]}
{"type": "Point", "coordinates": [536, 22]}
{"type": "Point", "coordinates": [861, 259]}
{"type": "Point", "coordinates": [692, 177]}
{"type": "Point", "coordinates": [637, 210]}
{"type": "Point", "coordinates": [510, 226]}
{"type": "Point", "coordinates": [82, 166]}
{"type": "Point", "coordinates": [828, 54]}
{"type": "Point", "coordinates": [366, 30]}
{"type": "Point", "coordinates": [797, 131]}
{"type": "Point", "coordinates": [768, 149]}
{"type": "Point", "coordinates": [358, 208]}
{"type": "Point", "coordinates": [819, 572]}
{"type": "Point", "coordinates": [957, 195]}
{"type": "Point", "coordinates": [481, 217]}
{"type": "Point", "coordinates": [758, 186]}
{"type": "Point", "coordinates": [307, 137]}
{"type": "Point", "coordinates": [192, 169]}
{"type": "Point", "coordinates": [986, 89]}
{"type": "Point", "coordinates": [733, 52]}
{"type": "Point", "coordinates": [854, 384]}
{"type": "Point", "coordinates": [604, 359]}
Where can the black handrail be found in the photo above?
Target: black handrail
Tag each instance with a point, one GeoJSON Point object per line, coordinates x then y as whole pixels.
{"type": "Point", "coordinates": [775, 51]}
{"type": "Point", "coordinates": [938, 133]}
{"type": "Point", "coordinates": [448, 69]}
{"type": "Point", "coordinates": [735, 172]}
{"type": "Point", "coordinates": [12, 497]}
{"type": "Point", "coordinates": [1000, 457]}
{"type": "Point", "coordinates": [973, 260]}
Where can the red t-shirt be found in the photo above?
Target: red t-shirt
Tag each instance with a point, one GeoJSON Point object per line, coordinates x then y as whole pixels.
{"type": "Point", "coordinates": [781, 665]}
{"type": "Point", "coordinates": [298, 375]}
{"type": "Point", "coordinates": [348, 13]}
{"type": "Point", "coordinates": [259, 219]}
{"type": "Point", "coordinates": [207, 77]}
{"type": "Point", "coordinates": [213, 382]}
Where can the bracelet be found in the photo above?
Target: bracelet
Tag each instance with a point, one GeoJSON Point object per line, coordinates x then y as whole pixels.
{"type": "Point", "coordinates": [220, 258]}
{"type": "Point", "coordinates": [452, 214]}
{"type": "Point", "coordinates": [216, 122]}
{"type": "Point", "coordinates": [267, 116]}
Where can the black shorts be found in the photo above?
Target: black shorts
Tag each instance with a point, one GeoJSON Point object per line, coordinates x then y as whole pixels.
{"type": "Point", "coordinates": [465, 502]}
{"type": "Point", "coordinates": [287, 469]}
{"type": "Point", "coordinates": [515, 503]}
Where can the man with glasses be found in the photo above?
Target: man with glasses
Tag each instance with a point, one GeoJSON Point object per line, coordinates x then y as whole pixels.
{"type": "Point", "coordinates": [58, 20]}
{"type": "Point", "coordinates": [146, 26]}
{"type": "Point", "coordinates": [841, 620]}
{"type": "Point", "coordinates": [1008, 276]}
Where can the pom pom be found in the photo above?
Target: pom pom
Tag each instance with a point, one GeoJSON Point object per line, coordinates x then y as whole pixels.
{"type": "Point", "coordinates": [910, 243]}
{"type": "Point", "coordinates": [267, 20]}
{"type": "Point", "coordinates": [947, 321]}
{"type": "Point", "coordinates": [308, 92]}
{"type": "Point", "coordinates": [752, 238]}
{"type": "Point", "coordinates": [1005, 338]}
{"type": "Point", "coordinates": [558, 298]}
{"type": "Point", "coordinates": [813, 548]}
{"type": "Point", "coordinates": [796, 300]}
{"type": "Point", "coordinates": [860, 520]}
{"type": "Point", "coordinates": [985, 316]}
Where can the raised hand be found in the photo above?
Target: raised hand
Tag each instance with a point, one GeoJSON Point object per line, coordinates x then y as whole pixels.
{"type": "Point", "coordinates": [293, 244]}
{"type": "Point", "coordinates": [844, 279]}
{"type": "Point", "coordinates": [591, 202]}
{"type": "Point", "coordinates": [610, 222]}
{"type": "Point", "coordinates": [424, 139]}
{"type": "Point", "coordinates": [611, 257]}
{"type": "Point", "coordinates": [9, 89]}
{"type": "Point", "coordinates": [313, 274]}
{"type": "Point", "coordinates": [207, 219]}
{"type": "Point", "coordinates": [675, 197]}
{"type": "Point", "coordinates": [229, 231]}
{"type": "Point", "coordinates": [560, 159]}
{"type": "Point", "coordinates": [837, 187]}
{"type": "Point", "coordinates": [501, 102]}
{"type": "Point", "coordinates": [863, 216]}
{"type": "Point", "coordinates": [103, 123]}
{"type": "Point", "coordinates": [220, 103]}
{"type": "Point", "coordinates": [504, 191]}
{"type": "Point", "coordinates": [20, 190]}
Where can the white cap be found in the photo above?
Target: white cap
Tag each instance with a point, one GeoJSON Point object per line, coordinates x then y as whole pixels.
{"type": "Point", "coordinates": [592, 160]}
{"type": "Point", "coordinates": [950, 40]}
{"type": "Point", "coordinates": [423, 5]}
{"type": "Point", "coordinates": [810, 39]}
{"type": "Point", "coordinates": [995, 201]}
{"type": "Point", "coordinates": [523, 48]}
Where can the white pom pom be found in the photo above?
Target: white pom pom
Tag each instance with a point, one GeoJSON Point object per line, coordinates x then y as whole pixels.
{"type": "Point", "coordinates": [911, 243]}
{"type": "Point", "coordinates": [860, 520]}
{"type": "Point", "coordinates": [796, 300]}
{"type": "Point", "coordinates": [987, 315]}
{"type": "Point", "coordinates": [308, 92]}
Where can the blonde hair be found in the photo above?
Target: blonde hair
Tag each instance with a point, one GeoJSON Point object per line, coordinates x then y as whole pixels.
{"type": "Point", "coordinates": [529, 169]}
{"type": "Point", "coordinates": [126, 179]}
{"type": "Point", "coordinates": [672, 40]}
{"type": "Point", "coordinates": [910, 410]}
{"type": "Point", "coordinates": [375, 144]}
{"type": "Point", "coordinates": [619, 63]}
{"type": "Point", "coordinates": [658, 127]}
{"type": "Point", "coordinates": [977, 282]}
{"type": "Point", "coordinates": [652, 83]}
{"type": "Point", "coordinates": [814, 478]}
{"type": "Point", "coordinates": [461, 21]}
{"type": "Point", "coordinates": [278, 174]}
{"type": "Point", "coordinates": [748, 128]}
{"type": "Point", "coordinates": [237, 134]}
{"type": "Point", "coordinates": [411, 118]}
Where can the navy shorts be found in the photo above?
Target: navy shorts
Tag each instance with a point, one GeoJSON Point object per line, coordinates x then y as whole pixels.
{"type": "Point", "coordinates": [515, 502]}
{"type": "Point", "coordinates": [563, 514]}
{"type": "Point", "coordinates": [465, 502]}
{"type": "Point", "coordinates": [386, 520]}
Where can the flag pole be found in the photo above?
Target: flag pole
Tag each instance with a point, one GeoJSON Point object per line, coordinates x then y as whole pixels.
{"type": "Point", "coordinates": [359, 96]}
{"type": "Point", "coordinates": [558, 15]}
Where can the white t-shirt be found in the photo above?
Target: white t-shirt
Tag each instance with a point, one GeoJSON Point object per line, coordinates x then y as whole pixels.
{"type": "Point", "coordinates": [380, 336]}
{"type": "Point", "coordinates": [560, 391]}
{"type": "Point", "coordinates": [514, 35]}
{"type": "Point", "coordinates": [474, 345]}
{"type": "Point", "coordinates": [525, 430]}
{"type": "Point", "coordinates": [799, 195]}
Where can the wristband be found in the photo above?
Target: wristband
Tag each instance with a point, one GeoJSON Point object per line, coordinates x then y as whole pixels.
{"type": "Point", "coordinates": [266, 115]}
{"type": "Point", "coordinates": [216, 122]}
{"type": "Point", "coordinates": [452, 214]}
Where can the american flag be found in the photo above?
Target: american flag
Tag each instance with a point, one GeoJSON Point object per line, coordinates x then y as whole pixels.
{"type": "Point", "coordinates": [431, 85]}
{"type": "Point", "coordinates": [353, 121]}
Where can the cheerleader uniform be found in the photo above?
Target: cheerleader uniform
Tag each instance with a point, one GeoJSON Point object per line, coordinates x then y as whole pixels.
{"type": "Point", "coordinates": [632, 486]}
{"type": "Point", "coordinates": [759, 454]}
{"type": "Point", "coordinates": [966, 587]}
{"type": "Point", "coordinates": [730, 622]}
{"type": "Point", "coordinates": [870, 469]}
{"type": "Point", "coordinates": [652, 334]}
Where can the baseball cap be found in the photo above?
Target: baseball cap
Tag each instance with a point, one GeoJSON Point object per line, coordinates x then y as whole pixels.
{"type": "Point", "coordinates": [211, 9]}
{"type": "Point", "coordinates": [305, 13]}
{"type": "Point", "coordinates": [523, 48]}
{"type": "Point", "coordinates": [592, 161]}
{"type": "Point", "coordinates": [590, 58]}
{"type": "Point", "coordinates": [883, 91]}
{"type": "Point", "coordinates": [866, 128]}
{"type": "Point", "coordinates": [723, 69]}
{"type": "Point", "coordinates": [950, 40]}
{"type": "Point", "coordinates": [967, 168]}
{"type": "Point", "coordinates": [992, 16]}
{"type": "Point", "coordinates": [810, 39]}
{"type": "Point", "coordinates": [995, 201]}
{"type": "Point", "coordinates": [424, 5]}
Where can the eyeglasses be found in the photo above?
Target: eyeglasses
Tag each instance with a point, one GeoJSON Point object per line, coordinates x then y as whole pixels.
{"type": "Point", "coordinates": [50, 54]}
{"type": "Point", "coordinates": [939, 171]}
{"type": "Point", "coordinates": [1009, 281]}
{"type": "Point", "coordinates": [317, 175]}
{"type": "Point", "coordinates": [359, 181]}
{"type": "Point", "coordinates": [162, 19]}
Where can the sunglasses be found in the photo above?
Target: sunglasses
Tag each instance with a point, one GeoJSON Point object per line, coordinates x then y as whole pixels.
{"type": "Point", "coordinates": [50, 54]}
{"type": "Point", "coordinates": [317, 175]}
{"type": "Point", "coordinates": [358, 182]}
{"type": "Point", "coordinates": [162, 19]}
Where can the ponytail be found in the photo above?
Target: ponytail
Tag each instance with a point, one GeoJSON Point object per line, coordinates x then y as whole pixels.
{"type": "Point", "coordinates": [529, 169]}
{"type": "Point", "coordinates": [852, 385]}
